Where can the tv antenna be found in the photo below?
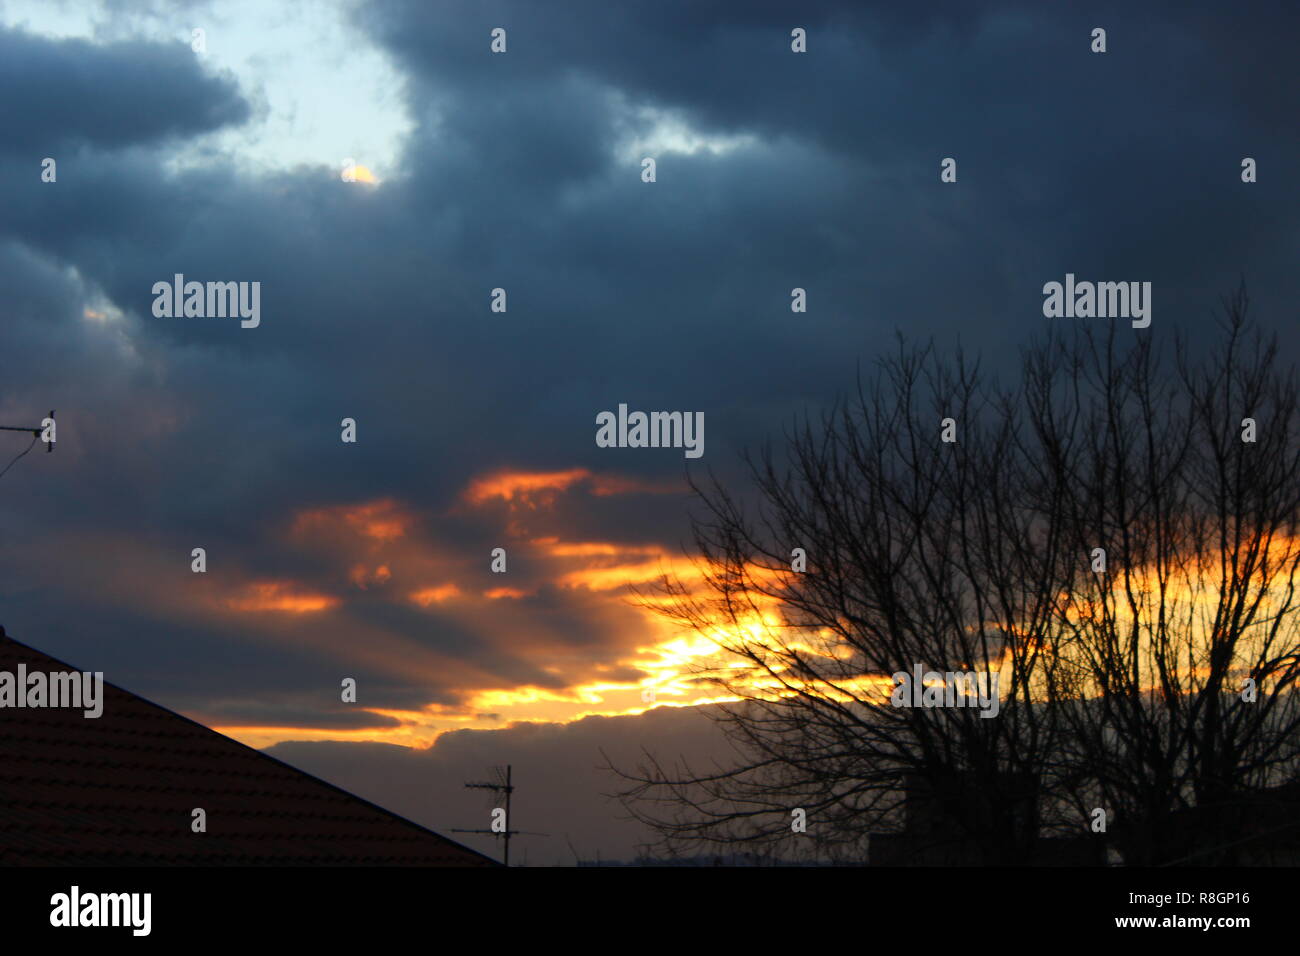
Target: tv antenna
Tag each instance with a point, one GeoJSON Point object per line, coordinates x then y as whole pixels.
{"type": "Point", "coordinates": [499, 787]}
{"type": "Point", "coordinates": [37, 433]}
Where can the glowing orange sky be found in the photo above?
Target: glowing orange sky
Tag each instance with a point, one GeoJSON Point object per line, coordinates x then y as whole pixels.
{"type": "Point", "coordinates": [384, 554]}
{"type": "Point", "coordinates": [385, 551]}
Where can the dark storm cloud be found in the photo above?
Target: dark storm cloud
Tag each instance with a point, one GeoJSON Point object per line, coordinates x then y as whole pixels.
{"type": "Point", "coordinates": [186, 432]}
{"type": "Point", "coordinates": [62, 94]}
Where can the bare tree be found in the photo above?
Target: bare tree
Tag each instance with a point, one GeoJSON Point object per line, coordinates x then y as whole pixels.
{"type": "Point", "coordinates": [919, 555]}
{"type": "Point", "coordinates": [1121, 670]}
{"type": "Point", "coordinates": [1188, 480]}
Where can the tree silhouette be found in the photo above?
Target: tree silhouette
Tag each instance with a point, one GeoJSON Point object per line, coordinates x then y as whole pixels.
{"type": "Point", "coordinates": [1105, 536]}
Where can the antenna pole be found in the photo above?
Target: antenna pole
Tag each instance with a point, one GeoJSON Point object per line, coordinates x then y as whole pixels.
{"type": "Point", "coordinates": [37, 431]}
{"type": "Point", "coordinates": [507, 788]}
{"type": "Point", "coordinates": [509, 818]}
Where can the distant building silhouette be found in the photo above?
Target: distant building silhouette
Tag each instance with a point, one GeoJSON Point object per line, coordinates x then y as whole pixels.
{"type": "Point", "coordinates": [940, 823]}
{"type": "Point", "coordinates": [1260, 829]}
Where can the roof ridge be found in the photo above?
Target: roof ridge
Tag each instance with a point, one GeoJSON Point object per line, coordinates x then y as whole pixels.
{"type": "Point", "coordinates": [236, 746]}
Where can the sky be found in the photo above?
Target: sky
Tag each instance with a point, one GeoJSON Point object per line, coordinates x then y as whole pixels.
{"type": "Point", "coordinates": [475, 429]}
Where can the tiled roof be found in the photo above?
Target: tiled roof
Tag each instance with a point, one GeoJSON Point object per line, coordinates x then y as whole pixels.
{"type": "Point", "coordinates": [120, 789]}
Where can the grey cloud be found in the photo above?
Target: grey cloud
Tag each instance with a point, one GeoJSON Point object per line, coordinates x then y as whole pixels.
{"type": "Point", "coordinates": [67, 93]}
{"type": "Point", "coordinates": [563, 790]}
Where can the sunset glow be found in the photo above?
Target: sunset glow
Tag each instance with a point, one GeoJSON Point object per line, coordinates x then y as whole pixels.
{"type": "Point", "coordinates": [281, 596]}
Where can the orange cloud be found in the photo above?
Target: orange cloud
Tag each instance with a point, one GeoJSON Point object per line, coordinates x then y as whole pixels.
{"type": "Point", "coordinates": [522, 484]}
{"type": "Point", "coordinates": [586, 549]}
{"type": "Point", "coordinates": [280, 596]}
{"type": "Point", "coordinates": [384, 546]}
{"type": "Point", "coordinates": [363, 578]}
{"type": "Point", "coordinates": [434, 595]}
{"type": "Point", "coordinates": [607, 566]}
{"type": "Point", "coordinates": [497, 593]}
{"type": "Point", "coordinates": [526, 485]}
{"type": "Point", "coordinates": [381, 520]}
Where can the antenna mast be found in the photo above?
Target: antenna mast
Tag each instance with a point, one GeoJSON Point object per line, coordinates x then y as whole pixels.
{"type": "Point", "coordinates": [507, 788]}
{"type": "Point", "coordinates": [37, 431]}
